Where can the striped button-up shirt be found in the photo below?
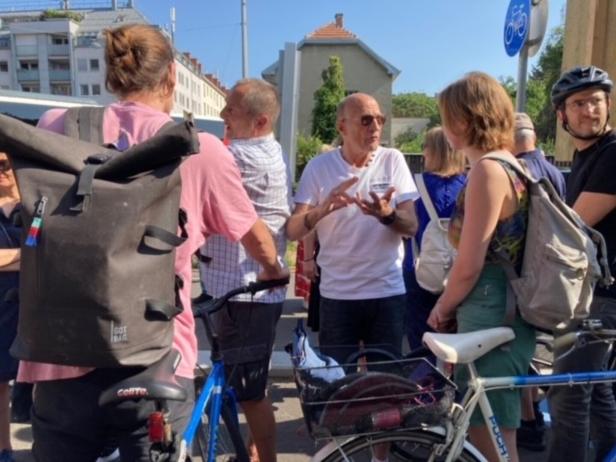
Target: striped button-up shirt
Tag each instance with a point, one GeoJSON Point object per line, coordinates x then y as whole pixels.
{"type": "Point", "coordinates": [265, 176]}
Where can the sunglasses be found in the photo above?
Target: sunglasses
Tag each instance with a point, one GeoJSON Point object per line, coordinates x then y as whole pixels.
{"type": "Point", "coordinates": [5, 166]}
{"type": "Point", "coordinates": [366, 120]}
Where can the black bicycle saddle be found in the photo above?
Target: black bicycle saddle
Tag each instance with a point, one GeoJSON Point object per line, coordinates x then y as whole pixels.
{"type": "Point", "coordinates": [155, 382]}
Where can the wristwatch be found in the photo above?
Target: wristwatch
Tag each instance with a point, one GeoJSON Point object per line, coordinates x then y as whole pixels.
{"type": "Point", "coordinates": [388, 219]}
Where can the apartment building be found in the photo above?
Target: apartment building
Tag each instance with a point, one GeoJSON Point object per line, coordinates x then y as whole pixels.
{"type": "Point", "coordinates": [61, 52]}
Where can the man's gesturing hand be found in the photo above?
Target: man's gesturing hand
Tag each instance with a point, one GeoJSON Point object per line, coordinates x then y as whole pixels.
{"type": "Point", "coordinates": [378, 207]}
{"type": "Point", "coordinates": [338, 197]}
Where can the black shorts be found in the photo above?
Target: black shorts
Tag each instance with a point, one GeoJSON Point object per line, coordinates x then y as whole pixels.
{"type": "Point", "coordinates": [247, 331]}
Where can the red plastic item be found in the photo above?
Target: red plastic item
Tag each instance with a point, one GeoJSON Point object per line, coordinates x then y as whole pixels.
{"type": "Point", "coordinates": [156, 427]}
{"type": "Point", "coordinates": [386, 419]}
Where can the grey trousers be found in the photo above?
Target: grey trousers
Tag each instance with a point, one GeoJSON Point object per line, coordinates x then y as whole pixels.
{"type": "Point", "coordinates": [584, 411]}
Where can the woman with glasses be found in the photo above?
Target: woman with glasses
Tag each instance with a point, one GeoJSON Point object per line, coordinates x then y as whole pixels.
{"type": "Point", "coordinates": [444, 177]}
{"type": "Point", "coordinates": [9, 283]}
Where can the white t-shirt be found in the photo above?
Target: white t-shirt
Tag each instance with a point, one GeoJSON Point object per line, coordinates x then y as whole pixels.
{"type": "Point", "coordinates": [360, 258]}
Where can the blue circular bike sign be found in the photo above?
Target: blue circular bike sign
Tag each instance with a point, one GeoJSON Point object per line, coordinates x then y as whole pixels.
{"type": "Point", "coordinates": [517, 23]}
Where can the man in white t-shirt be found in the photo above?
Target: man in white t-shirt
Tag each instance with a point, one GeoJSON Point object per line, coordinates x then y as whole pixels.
{"type": "Point", "coordinates": [359, 198]}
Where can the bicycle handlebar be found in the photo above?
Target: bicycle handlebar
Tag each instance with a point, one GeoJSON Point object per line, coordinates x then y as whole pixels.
{"type": "Point", "coordinates": [215, 305]}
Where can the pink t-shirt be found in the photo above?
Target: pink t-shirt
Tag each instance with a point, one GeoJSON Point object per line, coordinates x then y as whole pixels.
{"type": "Point", "coordinates": [212, 195]}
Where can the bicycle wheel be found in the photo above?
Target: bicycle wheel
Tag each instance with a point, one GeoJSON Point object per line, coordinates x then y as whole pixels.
{"type": "Point", "coordinates": [230, 444]}
{"type": "Point", "coordinates": [404, 446]}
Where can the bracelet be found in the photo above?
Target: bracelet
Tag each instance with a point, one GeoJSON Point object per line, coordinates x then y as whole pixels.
{"type": "Point", "coordinates": [307, 222]}
{"type": "Point", "coordinates": [388, 219]}
{"type": "Point", "coordinates": [308, 259]}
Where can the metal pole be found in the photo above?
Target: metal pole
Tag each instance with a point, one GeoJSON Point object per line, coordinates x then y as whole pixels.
{"type": "Point", "coordinates": [520, 100]}
{"type": "Point", "coordinates": [244, 42]}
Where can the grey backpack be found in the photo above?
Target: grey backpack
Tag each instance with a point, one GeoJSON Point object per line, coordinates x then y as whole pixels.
{"type": "Point", "coordinates": [98, 285]}
{"type": "Point", "coordinates": [563, 260]}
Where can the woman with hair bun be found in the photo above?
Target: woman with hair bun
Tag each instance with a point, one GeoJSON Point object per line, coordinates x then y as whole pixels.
{"type": "Point", "coordinates": [67, 423]}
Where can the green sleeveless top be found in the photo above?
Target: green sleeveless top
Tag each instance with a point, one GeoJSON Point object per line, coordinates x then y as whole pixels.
{"type": "Point", "coordinates": [510, 234]}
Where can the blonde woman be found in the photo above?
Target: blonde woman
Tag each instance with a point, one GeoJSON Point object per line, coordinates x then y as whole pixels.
{"type": "Point", "coordinates": [491, 214]}
{"type": "Point", "coordinates": [444, 178]}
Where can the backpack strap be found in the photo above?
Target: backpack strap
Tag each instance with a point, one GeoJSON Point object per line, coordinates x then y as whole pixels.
{"type": "Point", "coordinates": [501, 256]}
{"type": "Point", "coordinates": [85, 123]}
{"type": "Point", "coordinates": [427, 200]}
{"type": "Point", "coordinates": [425, 195]}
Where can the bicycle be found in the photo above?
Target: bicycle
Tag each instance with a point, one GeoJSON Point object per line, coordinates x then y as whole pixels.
{"type": "Point", "coordinates": [446, 440]}
{"type": "Point", "coordinates": [214, 421]}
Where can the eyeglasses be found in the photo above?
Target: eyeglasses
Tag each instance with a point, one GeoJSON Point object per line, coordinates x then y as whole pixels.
{"type": "Point", "coordinates": [580, 104]}
{"type": "Point", "coordinates": [366, 120]}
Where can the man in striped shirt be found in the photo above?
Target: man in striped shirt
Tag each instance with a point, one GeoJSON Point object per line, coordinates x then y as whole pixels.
{"type": "Point", "coordinates": [247, 330]}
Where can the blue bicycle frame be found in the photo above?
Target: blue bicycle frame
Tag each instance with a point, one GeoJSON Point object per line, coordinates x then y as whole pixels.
{"type": "Point", "coordinates": [212, 390]}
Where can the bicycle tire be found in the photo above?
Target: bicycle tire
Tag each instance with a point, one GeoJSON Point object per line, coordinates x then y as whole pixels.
{"type": "Point", "coordinates": [405, 446]}
{"type": "Point", "coordinates": [230, 444]}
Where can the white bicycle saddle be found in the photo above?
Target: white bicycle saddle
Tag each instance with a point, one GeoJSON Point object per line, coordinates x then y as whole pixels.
{"type": "Point", "coordinates": [466, 348]}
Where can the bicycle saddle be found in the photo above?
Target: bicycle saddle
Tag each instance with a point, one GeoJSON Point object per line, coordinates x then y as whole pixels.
{"type": "Point", "coordinates": [466, 348]}
{"type": "Point", "coordinates": [156, 382]}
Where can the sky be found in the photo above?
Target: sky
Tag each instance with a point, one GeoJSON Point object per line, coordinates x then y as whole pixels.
{"type": "Point", "coordinates": [432, 42]}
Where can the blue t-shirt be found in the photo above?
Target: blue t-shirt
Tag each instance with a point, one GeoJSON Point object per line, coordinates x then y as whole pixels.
{"type": "Point", "coordinates": [539, 167]}
{"type": "Point", "coordinates": [443, 192]}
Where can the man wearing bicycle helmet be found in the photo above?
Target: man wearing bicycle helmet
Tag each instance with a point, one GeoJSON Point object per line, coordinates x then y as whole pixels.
{"type": "Point", "coordinates": [581, 98]}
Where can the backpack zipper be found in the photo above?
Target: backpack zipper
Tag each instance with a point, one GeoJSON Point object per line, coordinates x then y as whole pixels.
{"type": "Point", "coordinates": [37, 222]}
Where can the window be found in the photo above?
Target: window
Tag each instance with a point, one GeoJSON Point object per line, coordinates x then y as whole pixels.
{"type": "Point", "coordinates": [59, 65]}
{"type": "Point", "coordinates": [94, 65]}
{"type": "Point", "coordinates": [61, 89]}
{"type": "Point", "coordinates": [83, 89]}
{"type": "Point", "coordinates": [96, 89]}
{"type": "Point", "coordinates": [28, 65]}
{"type": "Point", "coordinates": [4, 66]}
{"type": "Point", "coordinates": [59, 40]}
{"type": "Point", "coordinates": [82, 65]}
{"type": "Point", "coordinates": [32, 88]}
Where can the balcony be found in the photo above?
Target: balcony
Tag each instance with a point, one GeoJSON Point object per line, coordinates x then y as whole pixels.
{"type": "Point", "coordinates": [58, 50]}
{"type": "Point", "coordinates": [26, 50]}
{"type": "Point", "coordinates": [27, 75]}
{"type": "Point", "coordinates": [59, 75]}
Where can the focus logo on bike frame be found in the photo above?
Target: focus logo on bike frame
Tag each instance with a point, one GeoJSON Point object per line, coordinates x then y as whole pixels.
{"type": "Point", "coordinates": [517, 23]}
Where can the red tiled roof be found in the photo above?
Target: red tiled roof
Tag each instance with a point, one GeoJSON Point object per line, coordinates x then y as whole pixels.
{"type": "Point", "coordinates": [333, 30]}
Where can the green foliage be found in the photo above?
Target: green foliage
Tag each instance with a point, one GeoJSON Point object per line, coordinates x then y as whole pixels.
{"type": "Point", "coordinates": [548, 71]}
{"type": "Point", "coordinates": [410, 142]}
{"type": "Point", "coordinates": [307, 148]}
{"type": "Point", "coordinates": [538, 87]}
{"type": "Point", "coordinates": [61, 14]}
{"type": "Point", "coordinates": [414, 105]}
{"type": "Point", "coordinates": [326, 100]}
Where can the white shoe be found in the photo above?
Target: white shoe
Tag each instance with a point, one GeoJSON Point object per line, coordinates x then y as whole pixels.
{"type": "Point", "coordinates": [113, 457]}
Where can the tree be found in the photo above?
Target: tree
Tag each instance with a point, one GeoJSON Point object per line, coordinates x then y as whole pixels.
{"type": "Point", "coordinates": [538, 88]}
{"type": "Point", "coordinates": [307, 148]}
{"type": "Point", "coordinates": [410, 142]}
{"type": "Point", "coordinates": [414, 105]}
{"type": "Point", "coordinates": [326, 100]}
{"type": "Point", "coordinates": [547, 71]}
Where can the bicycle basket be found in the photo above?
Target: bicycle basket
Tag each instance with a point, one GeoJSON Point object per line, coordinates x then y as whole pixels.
{"type": "Point", "coordinates": [389, 394]}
